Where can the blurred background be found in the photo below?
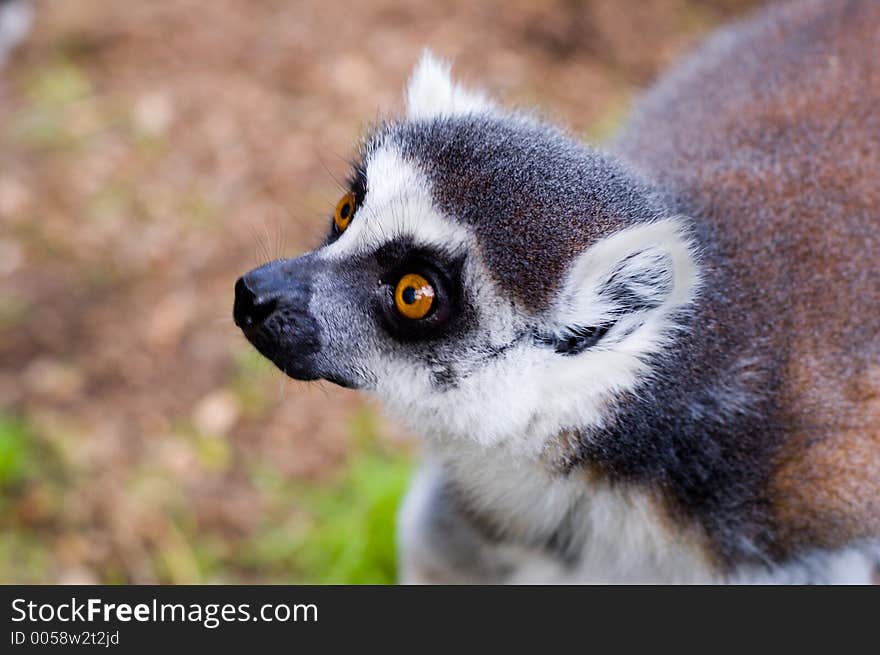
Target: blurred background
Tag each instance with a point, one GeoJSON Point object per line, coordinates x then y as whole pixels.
{"type": "Point", "coordinates": [150, 153]}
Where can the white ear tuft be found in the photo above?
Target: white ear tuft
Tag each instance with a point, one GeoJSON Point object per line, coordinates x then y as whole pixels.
{"type": "Point", "coordinates": [431, 92]}
{"type": "Point", "coordinates": [636, 277]}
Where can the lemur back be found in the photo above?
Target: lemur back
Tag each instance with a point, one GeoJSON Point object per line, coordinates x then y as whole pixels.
{"type": "Point", "coordinates": [771, 135]}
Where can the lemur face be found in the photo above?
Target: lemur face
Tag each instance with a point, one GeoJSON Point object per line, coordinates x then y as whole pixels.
{"type": "Point", "coordinates": [489, 277]}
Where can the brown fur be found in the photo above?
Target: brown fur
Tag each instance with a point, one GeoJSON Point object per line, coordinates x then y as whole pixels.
{"type": "Point", "coordinates": [772, 136]}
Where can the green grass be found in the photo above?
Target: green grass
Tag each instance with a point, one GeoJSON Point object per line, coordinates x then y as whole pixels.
{"type": "Point", "coordinates": [44, 121]}
{"type": "Point", "coordinates": [352, 539]}
{"type": "Point", "coordinates": [15, 452]}
{"type": "Point", "coordinates": [343, 530]}
{"type": "Point", "coordinates": [339, 529]}
{"type": "Point", "coordinates": [24, 555]}
{"type": "Point", "coordinates": [24, 558]}
{"type": "Point", "coordinates": [58, 85]}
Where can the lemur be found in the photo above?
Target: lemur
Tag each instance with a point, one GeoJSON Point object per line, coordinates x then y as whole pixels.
{"type": "Point", "coordinates": [656, 363]}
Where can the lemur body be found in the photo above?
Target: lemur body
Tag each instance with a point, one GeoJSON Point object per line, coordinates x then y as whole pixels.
{"type": "Point", "coordinates": [661, 365]}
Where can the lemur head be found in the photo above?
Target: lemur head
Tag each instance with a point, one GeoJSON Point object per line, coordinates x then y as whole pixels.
{"type": "Point", "coordinates": [487, 275]}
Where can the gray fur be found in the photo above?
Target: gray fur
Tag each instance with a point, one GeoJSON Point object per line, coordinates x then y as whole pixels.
{"type": "Point", "coordinates": [534, 196]}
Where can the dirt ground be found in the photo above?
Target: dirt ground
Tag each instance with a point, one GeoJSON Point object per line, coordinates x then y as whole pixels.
{"type": "Point", "coordinates": [151, 152]}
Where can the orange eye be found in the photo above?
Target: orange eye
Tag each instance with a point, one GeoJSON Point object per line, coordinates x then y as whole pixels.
{"type": "Point", "coordinates": [413, 296]}
{"type": "Point", "coordinates": [344, 211]}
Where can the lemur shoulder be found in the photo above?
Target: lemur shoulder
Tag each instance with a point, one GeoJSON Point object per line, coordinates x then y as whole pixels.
{"type": "Point", "coordinates": [659, 363]}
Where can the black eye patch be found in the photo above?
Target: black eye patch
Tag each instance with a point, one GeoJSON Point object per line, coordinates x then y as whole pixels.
{"type": "Point", "coordinates": [357, 191]}
{"type": "Point", "coordinates": [399, 258]}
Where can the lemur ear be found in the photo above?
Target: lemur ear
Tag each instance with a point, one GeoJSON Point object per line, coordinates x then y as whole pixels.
{"type": "Point", "coordinates": [636, 278]}
{"type": "Point", "coordinates": [431, 92]}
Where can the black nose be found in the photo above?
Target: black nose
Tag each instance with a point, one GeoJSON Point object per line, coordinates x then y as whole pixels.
{"type": "Point", "coordinates": [249, 309]}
